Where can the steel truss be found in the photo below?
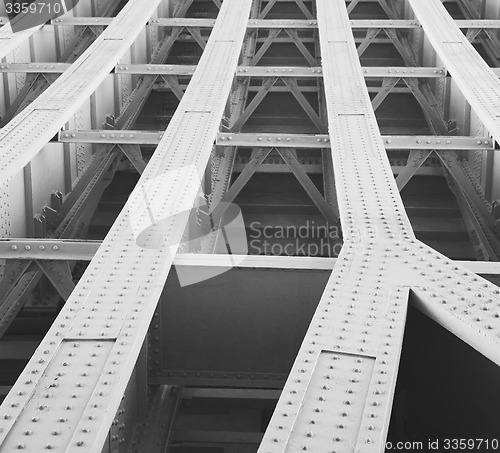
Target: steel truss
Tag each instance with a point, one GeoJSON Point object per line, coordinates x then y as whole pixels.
{"type": "Point", "coordinates": [88, 374]}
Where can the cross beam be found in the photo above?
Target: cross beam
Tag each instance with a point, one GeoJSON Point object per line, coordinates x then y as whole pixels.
{"type": "Point", "coordinates": [268, 71]}
{"type": "Point", "coordinates": [50, 249]}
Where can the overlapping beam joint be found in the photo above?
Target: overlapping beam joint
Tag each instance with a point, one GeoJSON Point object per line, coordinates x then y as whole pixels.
{"type": "Point", "coordinates": [354, 341]}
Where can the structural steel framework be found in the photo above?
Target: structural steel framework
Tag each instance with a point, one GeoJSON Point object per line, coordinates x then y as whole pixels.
{"type": "Point", "coordinates": [88, 386]}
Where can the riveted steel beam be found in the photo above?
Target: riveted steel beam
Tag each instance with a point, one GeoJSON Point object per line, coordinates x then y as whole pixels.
{"type": "Point", "coordinates": [339, 392]}
{"type": "Point", "coordinates": [111, 343]}
{"type": "Point", "coordinates": [158, 69]}
{"type": "Point", "coordinates": [155, 434]}
{"type": "Point", "coordinates": [292, 84]}
{"type": "Point", "coordinates": [290, 158]}
{"type": "Point", "coordinates": [296, 23]}
{"type": "Point", "coordinates": [415, 160]}
{"type": "Point", "coordinates": [83, 21]}
{"type": "Point", "coordinates": [59, 274]}
{"type": "Point", "coordinates": [278, 23]}
{"type": "Point", "coordinates": [391, 142]}
{"type": "Point", "coordinates": [449, 43]}
{"type": "Point", "coordinates": [333, 378]}
{"type": "Point", "coordinates": [387, 85]}
{"type": "Point", "coordinates": [215, 260]}
{"type": "Point", "coordinates": [51, 110]}
{"type": "Point", "coordinates": [56, 68]}
{"type": "Point", "coordinates": [267, 84]}
{"type": "Point", "coordinates": [258, 157]}
{"type": "Point", "coordinates": [40, 79]}
{"type": "Point", "coordinates": [83, 197]}
{"type": "Point", "coordinates": [478, 23]}
{"type": "Point", "coordinates": [47, 249]}
{"type": "Point", "coordinates": [281, 71]}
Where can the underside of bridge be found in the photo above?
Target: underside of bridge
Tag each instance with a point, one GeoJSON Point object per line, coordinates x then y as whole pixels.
{"type": "Point", "coordinates": [240, 225]}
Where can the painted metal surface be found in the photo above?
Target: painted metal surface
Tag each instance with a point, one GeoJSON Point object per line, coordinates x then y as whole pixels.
{"type": "Point", "coordinates": [89, 21]}
{"type": "Point", "coordinates": [48, 249]}
{"type": "Point", "coordinates": [462, 61]}
{"type": "Point", "coordinates": [338, 396]}
{"type": "Point", "coordinates": [276, 140]}
{"type": "Point", "coordinates": [234, 345]}
{"type": "Point", "coordinates": [85, 251]}
{"type": "Point", "coordinates": [282, 71]}
{"type": "Point", "coordinates": [10, 41]}
{"type": "Point", "coordinates": [131, 274]}
{"type": "Point", "coordinates": [391, 142]}
{"type": "Point", "coordinates": [301, 23]}
{"type": "Point", "coordinates": [35, 67]}
{"type": "Point", "coordinates": [51, 110]}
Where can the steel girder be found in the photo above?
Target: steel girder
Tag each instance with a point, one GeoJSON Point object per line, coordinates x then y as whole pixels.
{"type": "Point", "coordinates": [108, 347]}
{"type": "Point", "coordinates": [39, 79]}
{"type": "Point", "coordinates": [10, 41]}
{"type": "Point", "coordinates": [74, 213]}
{"type": "Point", "coordinates": [51, 110]}
{"type": "Point", "coordinates": [382, 248]}
{"type": "Point", "coordinates": [64, 250]}
{"type": "Point", "coordinates": [462, 61]}
{"type": "Point", "coordinates": [338, 396]}
{"type": "Point", "coordinates": [276, 140]}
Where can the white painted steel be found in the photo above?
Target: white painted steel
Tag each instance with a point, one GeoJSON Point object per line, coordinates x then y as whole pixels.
{"type": "Point", "coordinates": [478, 83]}
{"type": "Point", "coordinates": [24, 136]}
{"type": "Point", "coordinates": [10, 41]}
{"type": "Point", "coordinates": [338, 396]}
{"type": "Point", "coordinates": [115, 299]}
